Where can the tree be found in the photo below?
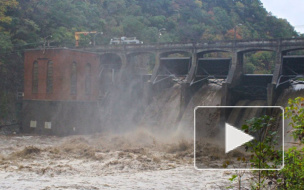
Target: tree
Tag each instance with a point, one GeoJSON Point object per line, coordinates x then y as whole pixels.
{"type": "Point", "coordinates": [222, 20]}
{"type": "Point", "coordinates": [5, 39]}
{"type": "Point", "coordinates": [233, 32]}
{"type": "Point", "coordinates": [5, 5]}
{"type": "Point", "coordinates": [132, 26]}
{"type": "Point", "coordinates": [5, 43]}
{"type": "Point", "coordinates": [295, 112]}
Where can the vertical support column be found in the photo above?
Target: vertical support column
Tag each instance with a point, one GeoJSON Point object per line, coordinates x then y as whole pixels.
{"type": "Point", "coordinates": [271, 94]}
{"type": "Point", "coordinates": [191, 74]}
{"type": "Point", "coordinates": [184, 97]}
{"type": "Point", "coordinates": [156, 67]}
{"type": "Point", "coordinates": [147, 93]}
{"type": "Point", "coordinates": [124, 63]}
{"type": "Point", "coordinates": [225, 95]}
{"type": "Point", "coordinates": [277, 68]}
{"type": "Point", "coordinates": [225, 101]}
{"type": "Point", "coordinates": [236, 69]}
{"type": "Point", "coordinates": [232, 68]}
{"type": "Point", "coordinates": [233, 78]}
{"type": "Point", "coordinates": [148, 86]}
{"type": "Point", "coordinates": [186, 90]}
{"type": "Point", "coordinates": [239, 67]}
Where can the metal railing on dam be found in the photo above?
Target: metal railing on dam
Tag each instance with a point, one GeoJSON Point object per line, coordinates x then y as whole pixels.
{"type": "Point", "coordinates": [284, 44]}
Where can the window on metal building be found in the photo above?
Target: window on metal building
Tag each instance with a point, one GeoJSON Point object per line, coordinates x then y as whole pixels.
{"type": "Point", "coordinates": [49, 77]}
{"type": "Point", "coordinates": [88, 78]}
{"type": "Point", "coordinates": [74, 78]}
{"type": "Point", "coordinates": [35, 77]}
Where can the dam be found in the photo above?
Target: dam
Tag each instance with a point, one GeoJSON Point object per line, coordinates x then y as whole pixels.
{"type": "Point", "coordinates": [88, 90]}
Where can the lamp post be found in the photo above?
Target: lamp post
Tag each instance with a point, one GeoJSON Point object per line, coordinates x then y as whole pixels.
{"type": "Point", "coordinates": [101, 33]}
{"type": "Point", "coordinates": [235, 30]}
{"type": "Point", "coordinates": [160, 32]}
{"type": "Point", "coordinates": [46, 40]}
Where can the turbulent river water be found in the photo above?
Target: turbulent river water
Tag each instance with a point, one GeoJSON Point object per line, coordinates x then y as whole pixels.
{"type": "Point", "coordinates": [155, 154]}
{"type": "Point", "coordinates": [131, 161]}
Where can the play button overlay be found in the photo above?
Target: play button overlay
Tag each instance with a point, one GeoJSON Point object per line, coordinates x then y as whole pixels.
{"type": "Point", "coordinates": [237, 137]}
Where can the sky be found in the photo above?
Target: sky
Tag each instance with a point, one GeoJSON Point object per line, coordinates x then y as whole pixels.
{"type": "Point", "coordinates": [292, 10]}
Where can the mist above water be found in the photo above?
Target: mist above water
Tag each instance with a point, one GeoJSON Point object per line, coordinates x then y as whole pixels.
{"type": "Point", "coordinates": [124, 109]}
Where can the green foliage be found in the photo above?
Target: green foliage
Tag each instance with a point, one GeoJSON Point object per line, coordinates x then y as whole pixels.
{"type": "Point", "coordinates": [184, 20]}
{"type": "Point", "coordinates": [222, 19]}
{"type": "Point", "coordinates": [292, 176]}
{"type": "Point", "coordinates": [264, 153]}
{"type": "Point", "coordinates": [158, 21]}
{"type": "Point", "coordinates": [85, 40]}
{"type": "Point", "coordinates": [132, 26]}
{"type": "Point", "coordinates": [5, 41]}
{"type": "Point", "coordinates": [150, 34]}
{"type": "Point", "coordinates": [249, 68]}
{"type": "Point", "coordinates": [295, 111]}
{"type": "Point", "coordinates": [6, 5]}
{"type": "Point", "coordinates": [65, 37]}
{"type": "Point", "coordinates": [261, 62]}
{"type": "Point", "coordinates": [233, 177]}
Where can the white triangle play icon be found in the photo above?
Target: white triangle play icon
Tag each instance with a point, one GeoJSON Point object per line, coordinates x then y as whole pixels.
{"type": "Point", "coordinates": [235, 138]}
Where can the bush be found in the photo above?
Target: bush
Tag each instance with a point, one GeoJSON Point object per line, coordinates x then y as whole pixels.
{"type": "Point", "coordinates": [295, 111]}
{"type": "Point", "coordinates": [292, 175]}
{"type": "Point", "coordinates": [264, 153]}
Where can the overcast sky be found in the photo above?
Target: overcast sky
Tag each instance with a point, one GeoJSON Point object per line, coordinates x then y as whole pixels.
{"type": "Point", "coordinates": [292, 10]}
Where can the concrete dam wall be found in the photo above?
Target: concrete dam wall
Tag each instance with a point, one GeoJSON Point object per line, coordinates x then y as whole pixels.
{"type": "Point", "coordinates": [89, 92]}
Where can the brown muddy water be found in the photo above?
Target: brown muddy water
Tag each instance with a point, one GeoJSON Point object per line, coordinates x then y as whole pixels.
{"type": "Point", "coordinates": [136, 160]}
{"type": "Point", "coordinates": [156, 154]}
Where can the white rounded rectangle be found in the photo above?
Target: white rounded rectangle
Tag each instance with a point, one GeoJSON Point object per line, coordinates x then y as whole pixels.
{"type": "Point", "coordinates": [222, 135]}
